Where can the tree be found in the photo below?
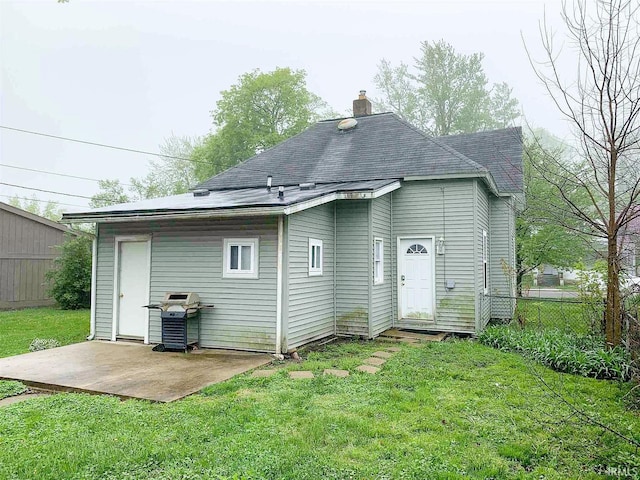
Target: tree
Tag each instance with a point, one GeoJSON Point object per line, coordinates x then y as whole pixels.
{"type": "Point", "coordinates": [173, 173]}
{"type": "Point", "coordinates": [50, 210]}
{"type": "Point", "coordinates": [260, 111]}
{"type": "Point", "coordinates": [603, 106]}
{"type": "Point", "coordinates": [446, 93]}
{"type": "Point", "coordinates": [540, 239]}
{"type": "Point", "coordinates": [111, 193]}
{"type": "Point", "coordinates": [71, 274]}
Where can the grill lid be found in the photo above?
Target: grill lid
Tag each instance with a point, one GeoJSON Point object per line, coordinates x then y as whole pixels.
{"type": "Point", "coordinates": [181, 298]}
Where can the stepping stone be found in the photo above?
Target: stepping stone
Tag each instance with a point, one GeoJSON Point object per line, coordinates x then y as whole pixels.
{"type": "Point", "coordinates": [300, 374]}
{"type": "Point", "coordinates": [368, 369]}
{"type": "Point", "coordinates": [394, 349]}
{"type": "Point", "coordinates": [263, 373]}
{"type": "Point", "coordinates": [382, 354]}
{"type": "Point", "coordinates": [374, 361]}
{"type": "Point", "coordinates": [337, 373]}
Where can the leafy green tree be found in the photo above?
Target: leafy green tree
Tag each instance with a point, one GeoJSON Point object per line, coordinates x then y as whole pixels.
{"type": "Point", "coordinates": [445, 93]}
{"type": "Point", "coordinates": [50, 210]}
{"type": "Point", "coordinates": [545, 232]}
{"type": "Point", "coordinates": [70, 276]}
{"type": "Point", "coordinates": [258, 112]}
{"type": "Point", "coordinates": [111, 193]}
{"type": "Point", "coordinates": [173, 173]}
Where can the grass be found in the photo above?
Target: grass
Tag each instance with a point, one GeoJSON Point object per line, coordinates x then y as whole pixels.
{"type": "Point", "coordinates": [18, 328]}
{"type": "Point", "coordinates": [440, 411]}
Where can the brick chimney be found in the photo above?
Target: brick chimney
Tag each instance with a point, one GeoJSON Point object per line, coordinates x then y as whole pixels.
{"type": "Point", "coordinates": [362, 105]}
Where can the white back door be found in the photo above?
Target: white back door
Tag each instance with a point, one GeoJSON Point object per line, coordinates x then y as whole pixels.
{"type": "Point", "coordinates": [134, 289]}
{"type": "Point", "coordinates": [415, 261]}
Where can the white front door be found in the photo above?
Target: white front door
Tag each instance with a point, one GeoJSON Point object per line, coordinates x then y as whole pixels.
{"type": "Point", "coordinates": [416, 278]}
{"type": "Point", "coordinates": [133, 285]}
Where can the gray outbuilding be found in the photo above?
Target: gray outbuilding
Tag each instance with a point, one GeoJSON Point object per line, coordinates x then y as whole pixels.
{"type": "Point", "coordinates": [366, 225]}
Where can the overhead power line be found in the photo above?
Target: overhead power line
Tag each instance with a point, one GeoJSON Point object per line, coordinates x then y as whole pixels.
{"type": "Point", "coordinates": [55, 173]}
{"type": "Point", "coordinates": [104, 145]}
{"type": "Point", "coordinates": [45, 191]}
{"type": "Point", "coordinates": [27, 199]}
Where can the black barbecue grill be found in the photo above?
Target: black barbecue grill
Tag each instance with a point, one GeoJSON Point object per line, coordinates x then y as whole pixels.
{"type": "Point", "coordinates": [180, 315]}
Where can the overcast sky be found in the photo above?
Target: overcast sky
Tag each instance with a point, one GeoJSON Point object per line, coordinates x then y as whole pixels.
{"type": "Point", "coordinates": [132, 73]}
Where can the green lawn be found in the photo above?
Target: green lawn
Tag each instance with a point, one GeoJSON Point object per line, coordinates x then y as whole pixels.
{"type": "Point", "coordinates": [446, 410]}
{"type": "Point", "coordinates": [18, 328]}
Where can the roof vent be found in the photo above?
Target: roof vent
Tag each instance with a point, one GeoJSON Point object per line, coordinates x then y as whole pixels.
{"type": "Point", "coordinates": [347, 124]}
{"type": "Point", "coordinates": [307, 186]}
{"type": "Point", "coordinates": [201, 192]}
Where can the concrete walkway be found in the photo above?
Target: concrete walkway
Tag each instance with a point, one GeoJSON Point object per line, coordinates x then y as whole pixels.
{"type": "Point", "coordinates": [127, 370]}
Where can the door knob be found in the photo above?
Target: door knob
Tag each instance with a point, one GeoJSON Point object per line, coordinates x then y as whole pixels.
{"type": "Point", "coordinates": [121, 295]}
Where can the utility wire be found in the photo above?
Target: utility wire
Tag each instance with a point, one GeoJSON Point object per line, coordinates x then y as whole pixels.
{"type": "Point", "coordinates": [27, 199]}
{"type": "Point", "coordinates": [104, 145]}
{"type": "Point", "coordinates": [45, 191]}
{"type": "Point", "coordinates": [55, 173]}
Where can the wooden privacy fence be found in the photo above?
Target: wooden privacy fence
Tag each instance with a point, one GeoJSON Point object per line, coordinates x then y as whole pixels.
{"type": "Point", "coordinates": [27, 250]}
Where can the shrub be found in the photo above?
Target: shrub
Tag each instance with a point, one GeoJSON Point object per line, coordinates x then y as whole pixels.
{"type": "Point", "coordinates": [565, 352]}
{"type": "Point", "coordinates": [43, 344]}
{"type": "Point", "coordinates": [71, 274]}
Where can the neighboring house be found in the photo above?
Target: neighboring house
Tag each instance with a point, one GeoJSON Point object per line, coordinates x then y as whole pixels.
{"type": "Point", "coordinates": [365, 228]}
{"type": "Point", "coordinates": [629, 245]}
{"type": "Point", "coordinates": [27, 249]}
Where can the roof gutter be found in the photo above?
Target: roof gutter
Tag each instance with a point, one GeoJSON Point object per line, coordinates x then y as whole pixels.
{"type": "Point", "coordinates": [116, 217]}
{"type": "Point", "coordinates": [486, 176]}
{"type": "Point", "coordinates": [354, 195]}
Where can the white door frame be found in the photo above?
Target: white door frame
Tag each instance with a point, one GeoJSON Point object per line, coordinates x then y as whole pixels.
{"type": "Point", "coordinates": [399, 271]}
{"type": "Point", "coordinates": [116, 281]}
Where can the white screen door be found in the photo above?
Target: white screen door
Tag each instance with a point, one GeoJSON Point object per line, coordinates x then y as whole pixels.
{"type": "Point", "coordinates": [416, 279]}
{"type": "Point", "coordinates": [134, 289]}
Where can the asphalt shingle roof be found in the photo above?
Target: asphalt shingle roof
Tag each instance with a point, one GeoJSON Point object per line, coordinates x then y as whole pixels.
{"type": "Point", "coordinates": [381, 146]}
{"type": "Point", "coordinates": [500, 151]}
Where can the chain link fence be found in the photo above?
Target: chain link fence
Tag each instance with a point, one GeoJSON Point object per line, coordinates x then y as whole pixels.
{"type": "Point", "coordinates": [566, 314]}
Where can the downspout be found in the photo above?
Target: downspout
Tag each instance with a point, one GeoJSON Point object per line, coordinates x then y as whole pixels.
{"type": "Point", "coordinates": [335, 268]}
{"type": "Point", "coordinates": [94, 270]}
{"type": "Point", "coordinates": [279, 289]}
{"type": "Point", "coordinates": [370, 270]}
{"type": "Point", "coordinates": [394, 269]}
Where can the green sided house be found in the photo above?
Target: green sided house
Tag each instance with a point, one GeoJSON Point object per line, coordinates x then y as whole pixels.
{"type": "Point", "coordinates": [350, 228]}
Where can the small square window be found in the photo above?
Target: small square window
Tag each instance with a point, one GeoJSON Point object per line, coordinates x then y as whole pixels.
{"type": "Point", "coordinates": [315, 257]}
{"type": "Point", "coordinates": [240, 257]}
{"type": "Point", "coordinates": [378, 261]}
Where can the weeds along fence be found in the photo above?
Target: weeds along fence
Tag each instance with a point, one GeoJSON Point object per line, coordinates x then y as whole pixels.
{"type": "Point", "coordinates": [564, 314]}
{"type": "Point", "coordinates": [570, 315]}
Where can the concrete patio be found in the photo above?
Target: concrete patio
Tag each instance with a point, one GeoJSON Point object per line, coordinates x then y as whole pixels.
{"type": "Point", "coordinates": [127, 370]}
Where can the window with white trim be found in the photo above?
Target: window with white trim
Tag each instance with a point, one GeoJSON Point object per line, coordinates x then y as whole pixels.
{"type": "Point", "coordinates": [315, 257]}
{"type": "Point", "coordinates": [485, 256]}
{"type": "Point", "coordinates": [240, 258]}
{"type": "Point", "coordinates": [378, 261]}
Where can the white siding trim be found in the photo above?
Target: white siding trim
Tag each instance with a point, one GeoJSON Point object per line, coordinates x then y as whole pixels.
{"type": "Point", "coordinates": [279, 284]}
{"type": "Point", "coordinates": [94, 281]}
{"type": "Point", "coordinates": [116, 281]}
